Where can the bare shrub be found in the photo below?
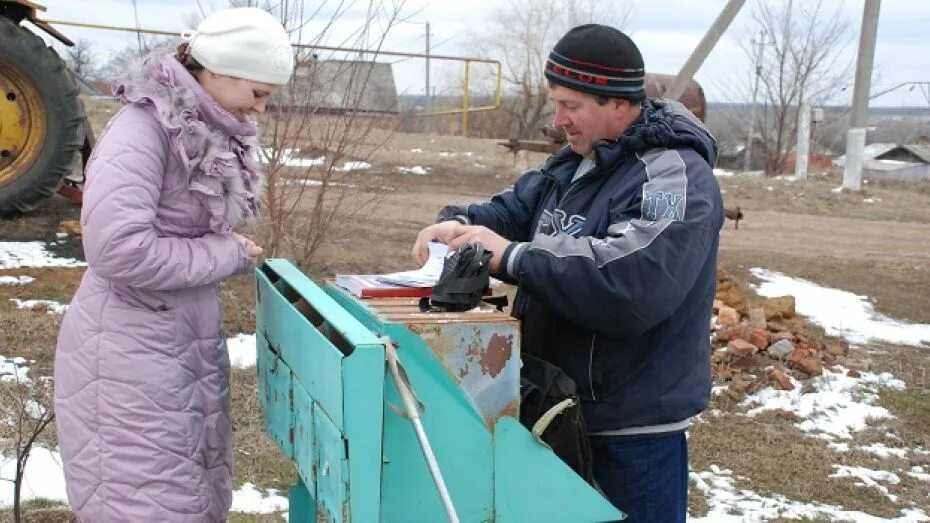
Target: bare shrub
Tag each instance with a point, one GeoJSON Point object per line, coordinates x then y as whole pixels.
{"type": "Point", "coordinates": [325, 125]}
{"type": "Point", "coordinates": [27, 411]}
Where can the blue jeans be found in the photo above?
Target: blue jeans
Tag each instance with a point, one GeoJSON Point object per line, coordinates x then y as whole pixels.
{"type": "Point", "coordinates": [644, 476]}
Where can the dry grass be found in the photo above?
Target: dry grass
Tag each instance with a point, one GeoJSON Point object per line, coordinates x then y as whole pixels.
{"type": "Point", "coordinates": [257, 458]}
{"type": "Point", "coordinates": [100, 110]}
{"type": "Point", "coordinates": [771, 454]}
{"type": "Point", "coordinates": [911, 406]}
{"type": "Point", "coordinates": [238, 517]}
{"type": "Point", "coordinates": [894, 201]}
{"type": "Point", "coordinates": [238, 300]}
{"type": "Point", "coordinates": [54, 283]}
{"type": "Point", "coordinates": [771, 457]}
{"type": "Point", "coordinates": [697, 503]}
{"type": "Point", "coordinates": [912, 409]}
{"type": "Point", "coordinates": [40, 511]}
{"type": "Point", "coordinates": [31, 334]}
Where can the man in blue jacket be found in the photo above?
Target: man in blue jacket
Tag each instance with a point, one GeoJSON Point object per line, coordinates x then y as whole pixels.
{"type": "Point", "coordinates": [613, 245]}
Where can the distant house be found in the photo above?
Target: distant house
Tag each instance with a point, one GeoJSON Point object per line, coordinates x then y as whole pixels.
{"type": "Point", "coordinates": [898, 161]}
{"type": "Point", "coordinates": [732, 155]}
{"type": "Point", "coordinates": [341, 86]}
{"type": "Point", "coordinates": [869, 153]}
{"type": "Point", "coordinates": [93, 88]}
{"type": "Point", "coordinates": [909, 161]}
{"type": "Point", "coordinates": [907, 153]}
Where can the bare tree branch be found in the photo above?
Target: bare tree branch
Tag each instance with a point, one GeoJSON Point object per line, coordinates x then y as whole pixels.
{"type": "Point", "coordinates": [321, 117]}
{"type": "Point", "coordinates": [83, 61]}
{"type": "Point", "coordinates": [800, 64]}
{"type": "Point", "coordinates": [520, 35]}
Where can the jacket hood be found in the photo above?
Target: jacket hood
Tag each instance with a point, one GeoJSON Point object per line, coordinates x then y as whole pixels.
{"type": "Point", "coordinates": [667, 123]}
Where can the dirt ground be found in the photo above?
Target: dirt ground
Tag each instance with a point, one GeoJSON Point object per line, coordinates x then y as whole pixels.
{"type": "Point", "coordinates": [874, 243]}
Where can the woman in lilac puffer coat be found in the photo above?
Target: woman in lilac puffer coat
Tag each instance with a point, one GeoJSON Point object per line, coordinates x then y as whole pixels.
{"type": "Point", "coordinates": [141, 368]}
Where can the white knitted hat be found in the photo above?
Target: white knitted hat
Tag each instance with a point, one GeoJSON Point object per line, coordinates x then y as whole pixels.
{"type": "Point", "coordinates": [244, 42]}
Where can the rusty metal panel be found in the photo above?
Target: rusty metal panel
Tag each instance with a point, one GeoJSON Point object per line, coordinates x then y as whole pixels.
{"type": "Point", "coordinates": [484, 360]}
{"type": "Point", "coordinates": [480, 349]}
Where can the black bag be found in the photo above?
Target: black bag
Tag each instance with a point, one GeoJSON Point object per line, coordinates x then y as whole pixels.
{"type": "Point", "coordinates": [550, 406]}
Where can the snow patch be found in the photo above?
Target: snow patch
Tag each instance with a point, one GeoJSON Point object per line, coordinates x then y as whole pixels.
{"type": "Point", "coordinates": [14, 370]}
{"type": "Point", "coordinates": [44, 477]}
{"type": "Point", "coordinates": [919, 474]}
{"type": "Point", "coordinates": [868, 478]}
{"type": "Point", "coordinates": [416, 169]}
{"type": "Point", "coordinates": [838, 407]}
{"type": "Point", "coordinates": [883, 451]}
{"type": "Point", "coordinates": [16, 280]}
{"type": "Point", "coordinates": [14, 255]}
{"type": "Point", "coordinates": [291, 158]}
{"type": "Point", "coordinates": [52, 307]}
{"type": "Point", "coordinates": [354, 166]}
{"type": "Point", "coordinates": [729, 505]}
{"type": "Point", "coordinates": [241, 350]}
{"type": "Point", "coordinates": [840, 312]}
{"type": "Point", "coordinates": [249, 500]}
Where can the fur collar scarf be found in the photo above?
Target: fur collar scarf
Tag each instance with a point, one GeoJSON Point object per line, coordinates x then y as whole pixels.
{"type": "Point", "coordinates": [215, 147]}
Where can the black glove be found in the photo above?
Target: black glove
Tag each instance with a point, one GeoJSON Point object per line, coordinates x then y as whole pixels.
{"type": "Point", "coordinates": [463, 281]}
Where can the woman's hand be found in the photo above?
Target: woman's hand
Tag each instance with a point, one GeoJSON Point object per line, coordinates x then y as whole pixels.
{"type": "Point", "coordinates": [252, 250]}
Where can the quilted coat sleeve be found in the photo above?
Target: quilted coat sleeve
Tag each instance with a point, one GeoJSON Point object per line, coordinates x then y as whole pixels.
{"type": "Point", "coordinates": [124, 183]}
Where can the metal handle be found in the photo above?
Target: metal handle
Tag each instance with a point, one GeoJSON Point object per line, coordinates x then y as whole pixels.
{"type": "Point", "coordinates": [410, 406]}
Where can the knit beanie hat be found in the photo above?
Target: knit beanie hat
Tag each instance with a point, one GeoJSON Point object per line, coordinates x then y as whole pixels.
{"type": "Point", "coordinates": [244, 42]}
{"type": "Point", "coordinates": [598, 59]}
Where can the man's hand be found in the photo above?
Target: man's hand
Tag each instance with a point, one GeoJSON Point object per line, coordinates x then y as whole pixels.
{"type": "Point", "coordinates": [492, 242]}
{"type": "Point", "coordinates": [443, 232]}
{"type": "Point", "coordinates": [454, 234]}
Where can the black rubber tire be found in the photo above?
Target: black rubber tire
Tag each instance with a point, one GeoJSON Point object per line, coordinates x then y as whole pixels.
{"type": "Point", "coordinates": [25, 52]}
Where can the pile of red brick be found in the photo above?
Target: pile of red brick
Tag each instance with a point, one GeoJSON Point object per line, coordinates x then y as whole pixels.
{"type": "Point", "coordinates": [760, 342]}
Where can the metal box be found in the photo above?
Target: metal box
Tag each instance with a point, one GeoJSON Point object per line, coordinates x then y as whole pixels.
{"type": "Point", "coordinates": [332, 407]}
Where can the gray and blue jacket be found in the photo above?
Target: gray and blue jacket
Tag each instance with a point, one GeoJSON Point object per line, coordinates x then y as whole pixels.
{"type": "Point", "coordinates": [616, 271]}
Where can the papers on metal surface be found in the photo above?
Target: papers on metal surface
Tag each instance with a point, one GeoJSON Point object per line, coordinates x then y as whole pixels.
{"type": "Point", "coordinates": [425, 276]}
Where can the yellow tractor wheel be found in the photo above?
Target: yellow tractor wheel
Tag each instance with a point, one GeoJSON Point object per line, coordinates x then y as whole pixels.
{"type": "Point", "coordinates": [41, 119]}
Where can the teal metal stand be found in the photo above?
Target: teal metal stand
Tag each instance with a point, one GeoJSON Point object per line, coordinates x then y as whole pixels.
{"type": "Point", "coordinates": [333, 407]}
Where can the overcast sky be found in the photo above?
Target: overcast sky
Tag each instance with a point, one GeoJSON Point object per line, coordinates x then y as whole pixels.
{"type": "Point", "coordinates": [665, 30]}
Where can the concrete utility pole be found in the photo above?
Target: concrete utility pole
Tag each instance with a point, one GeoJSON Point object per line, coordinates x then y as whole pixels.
{"type": "Point", "coordinates": [760, 44]}
{"type": "Point", "coordinates": [855, 141]}
{"type": "Point", "coordinates": [135, 9]}
{"type": "Point", "coordinates": [426, 92]}
{"type": "Point", "coordinates": [703, 49]}
{"type": "Point", "coordinates": [428, 100]}
{"type": "Point", "coordinates": [804, 143]}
